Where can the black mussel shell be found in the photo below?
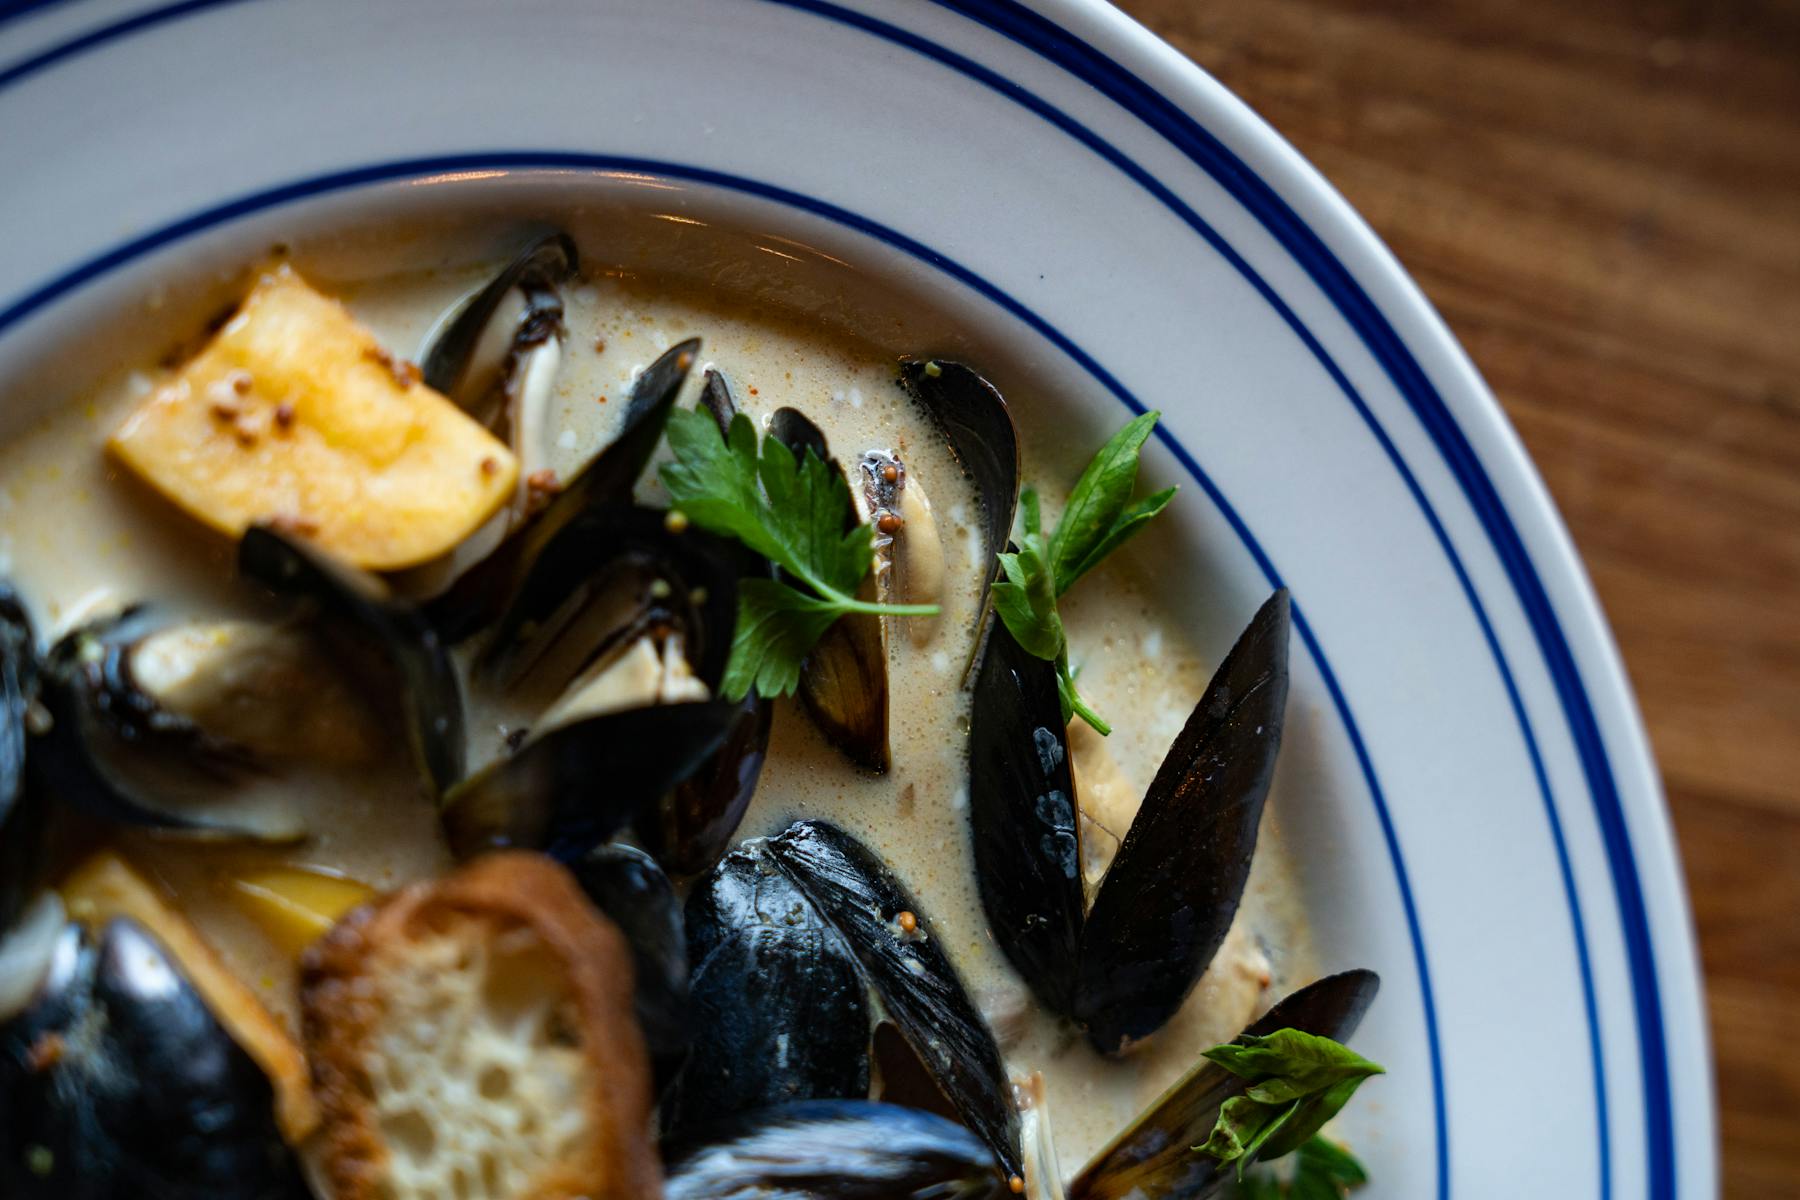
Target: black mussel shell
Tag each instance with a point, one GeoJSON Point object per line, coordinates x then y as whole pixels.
{"type": "Point", "coordinates": [570, 789]}
{"type": "Point", "coordinates": [545, 262]}
{"type": "Point", "coordinates": [795, 430]}
{"type": "Point", "coordinates": [843, 681]}
{"type": "Point", "coordinates": [1167, 900]}
{"type": "Point", "coordinates": [18, 689]}
{"type": "Point", "coordinates": [360, 604]}
{"type": "Point", "coordinates": [487, 589]}
{"type": "Point", "coordinates": [628, 886]}
{"type": "Point", "coordinates": [844, 686]}
{"type": "Point", "coordinates": [112, 749]}
{"type": "Point", "coordinates": [1154, 1158]}
{"type": "Point", "coordinates": [836, 1150]}
{"type": "Point", "coordinates": [19, 857]}
{"type": "Point", "coordinates": [975, 420]}
{"type": "Point", "coordinates": [905, 1079]}
{"type": "Point", "coordinates": [692, 576]}
{"type": "Point", "coordinates": [780, 1011]}
{"type": "Point", "coordinates": [854, 890]}
{"type": "Point", "coordinates": [689, 827]}
{"type": "Point", "coordinates": [118, 1082]}
{"type": "Point", "coordinates": [1023, 817]}
{"type": "Point", "coordinates": [715, 398]}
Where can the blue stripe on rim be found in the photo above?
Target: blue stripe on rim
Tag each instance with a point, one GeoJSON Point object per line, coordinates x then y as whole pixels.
{"type": "Point", "coordinates": [1070, 53]}
{"type": "Point", "coordinates": [111, 260]}
{"type": "Point", "coordinates": [1050, 41]}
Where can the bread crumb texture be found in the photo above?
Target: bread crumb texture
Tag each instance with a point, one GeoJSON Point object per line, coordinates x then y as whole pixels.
{"type": "Point", "coordinates": [472, 1038]}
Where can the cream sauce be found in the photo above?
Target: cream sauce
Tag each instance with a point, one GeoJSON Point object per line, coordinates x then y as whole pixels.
{"type": "Point", "coordinates": [78, 537]}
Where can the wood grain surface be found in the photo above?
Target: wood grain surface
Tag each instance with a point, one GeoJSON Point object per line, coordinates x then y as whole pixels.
{"type": "Point", "coordinates": [1603, 200]}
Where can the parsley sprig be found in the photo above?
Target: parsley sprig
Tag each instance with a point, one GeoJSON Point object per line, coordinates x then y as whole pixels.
{"type": "Point", "coordinates": [1098, 519]}
{"type": "Point", "coordinates": [791, 511]}
{"type": "Point", "coordinates": [1298, 1081]}
{"type": "Point", "coordinates": [1322, 1170]}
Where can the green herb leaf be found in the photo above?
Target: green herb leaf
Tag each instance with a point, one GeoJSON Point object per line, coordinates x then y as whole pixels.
{"type": "Point", "coordinates": [791, 511]}
{"type": "Point", "coordinates": [776, 626]}
{"type": "Point", "coordinates": [795, 519]}
{"type": "Point", "coordinates": [1099, 518]}
{"type": "Point", "coordinates": [1026, 597]}
{"type": "Point", "coordinates": [1321, 1170]}
{"type": "Point", "coordinates": [1298, 1081]}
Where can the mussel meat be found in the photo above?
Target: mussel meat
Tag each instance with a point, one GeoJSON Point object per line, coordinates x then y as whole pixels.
{"type": "Point", "coordinates": [116, 1082]}
{"type": "Point", "coordinates": [393, 631]}
{"type": "Point", "coordinates": [1123, 968]}
{"type": "Point", "coordinates": [779, 1005]}
{"type": "Point", "coordinates": [114, 748]}
{"type": "Point", "coordinates": [836, 1150]}
{"type": "Point", "coordinates": [1154, 1158]}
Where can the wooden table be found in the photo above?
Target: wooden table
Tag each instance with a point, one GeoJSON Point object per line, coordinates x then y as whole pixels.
{"type": "Point", "coordinates": [1603, 200]}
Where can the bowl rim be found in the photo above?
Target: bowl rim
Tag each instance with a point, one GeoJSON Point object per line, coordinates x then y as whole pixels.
{"type": "Point", "coordinates": [1205, 123]}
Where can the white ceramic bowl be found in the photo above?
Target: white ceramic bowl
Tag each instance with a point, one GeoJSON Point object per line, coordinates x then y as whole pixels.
{"type": "Point", "coordinates": [1477, 806]}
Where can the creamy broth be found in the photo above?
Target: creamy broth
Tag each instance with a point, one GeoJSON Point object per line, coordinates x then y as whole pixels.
{"type": "Point", "coordinates": [78, 537]}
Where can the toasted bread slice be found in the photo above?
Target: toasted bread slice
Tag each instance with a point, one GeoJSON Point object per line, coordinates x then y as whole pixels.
{"type": "Point", "coordinates": [473, 1037]}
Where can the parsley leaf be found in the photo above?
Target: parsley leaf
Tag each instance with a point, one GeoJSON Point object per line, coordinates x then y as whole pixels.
{"type": "Point", "coordinates": [1098, 519]}
{"type": "Point", "coordinates": [790, 510]}
{"type": "Point", "coordinates": [1322, 1170]}
{"type": "Point", "coordinates": [1298, 1081]}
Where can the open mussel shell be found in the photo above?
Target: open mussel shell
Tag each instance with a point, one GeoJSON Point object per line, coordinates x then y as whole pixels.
{"type": "Point", "coordinates": [111, 748]}
{"type": "Point", "coordinates": [1154, 1158]}
{"type": "Point", "coordinates": [117, 1081]}
{"type": "Point", "coordinates": [974, 419]}
{"type": "Point", "coordinates": [469, 351]}
{"type": "Point", "coordinates": [19, 857]}
{"type": "Point", "coordinates": [1022, 813]}
{"type": "Point", "coordinates": [690, 574]}
{"type": "Point", "coordinates": [488, 588]}
{"type": "Point", "coordinates": [394, 631]}
{"type": "Point", "coordinates": [1166, 902]}
{"type": "Point", "coordinates": [628, 886]}
{"type": "Point", "coordinates": [18, 689]}
{"type": "Point", "coordinates": [780, 1011]}
{"type": "Point", "coordinates": [844, 678]}
{"type": "Point", "coordinates": [836, 1150]}
{"type": "Point", "coordinates": [569, 789]}
{"type": "Point", "coordinates": [908, 968]}
{"type": "Point", "coordinates": [689, 827]}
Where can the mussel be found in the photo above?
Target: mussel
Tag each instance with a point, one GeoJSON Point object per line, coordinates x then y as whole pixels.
{"type": "Point", "coordinates": [1154, 1158]}
{"type": "Point", "coordinates": [836, 1150]}
{"type": "Point", "coordinates": [844, 681]}
{"type": "Point", "coordinates": [19, 860]}
{"type": "Point", "coordinates": [113, 747]}
{"type": "Point", "coordinates": [489, 588]}
{"type": "Point", "coordinates": [908, 968]}
{"type": "Point", "coordinates": [644, 614]}
{"type": "Point", "coordinates": [1121, 969]}
{"type": "Point", "coordinates": [116, 1082]}
{"type": "Point", "coordinates": [975, 421]}
{"type": "Point", "coordinates": [628, 886]}
{"type": "Point", "coordinates": [388, 629]}
{"type": "Point", "coordinates": [779, 1006]}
